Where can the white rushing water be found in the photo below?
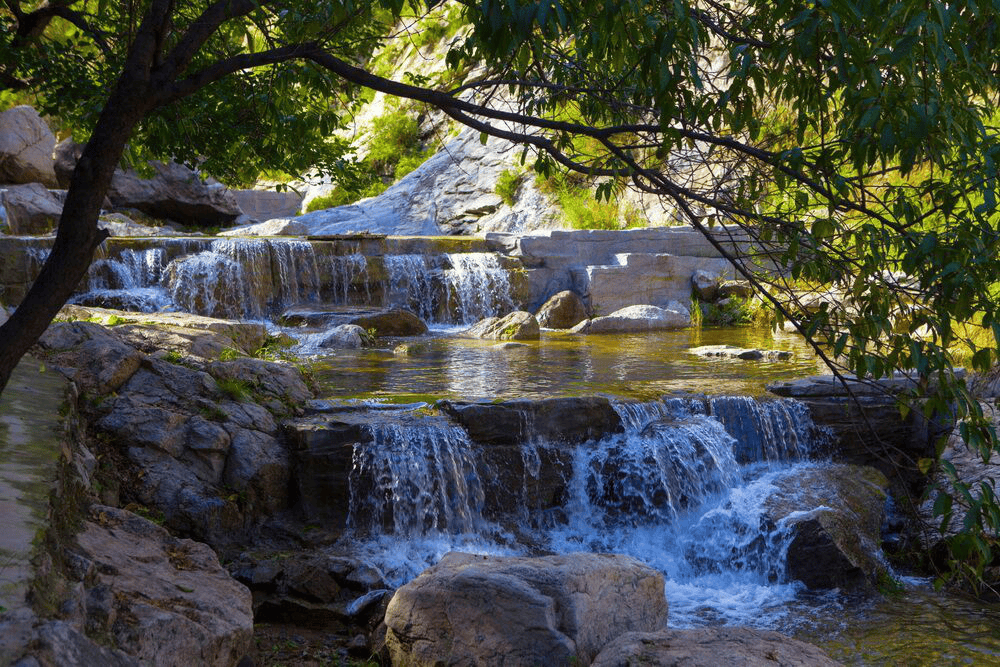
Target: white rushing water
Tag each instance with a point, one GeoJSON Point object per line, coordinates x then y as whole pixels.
{"type": "Point", "coordinates": [670, 491]}
{"type": "Point", "coordinates": [258, 278]}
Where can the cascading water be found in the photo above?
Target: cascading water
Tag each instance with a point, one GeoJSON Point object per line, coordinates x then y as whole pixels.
{"type": "Point", "coordinates": [455, 288]}
{"type": "Point", "coordinates": [670, 491]}
{"type": "Point", "coordinates": [129, 281]}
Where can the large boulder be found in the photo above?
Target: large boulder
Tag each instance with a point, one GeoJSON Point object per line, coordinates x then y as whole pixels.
{"type": "Point", "coordinates": [834, 515]}
{"type": "Point", "coordinates": [705, 284]}
{"type": "Point", "coordinates": [395, 322]}
{"type": "Point", "coordinates": [710, 647]}
{"type": "Point", "coordinates": [637, 319]}
{"type": "Point", "coordinates": [175, 193]}
{"type": "Point", "coordinates": [518, 325]}
{"type": "Point", "coordinates": [562, 311]}
{"type": "Point", "coordinates": [162, 600]}
{"type": "Point", "coordinates": [485, 610]}
{"type": "Point", "coordinates": [30, 209]}
{"type": "Point", "coordinates": [26, 144]}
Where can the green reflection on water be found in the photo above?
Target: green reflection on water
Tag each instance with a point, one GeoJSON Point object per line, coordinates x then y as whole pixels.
{"type": "Point", "coordinates": [29, 449]}
{"type": "Point", "coordinates": [919, 628]}
{"type": "Point", "coordinates": [641, 366]}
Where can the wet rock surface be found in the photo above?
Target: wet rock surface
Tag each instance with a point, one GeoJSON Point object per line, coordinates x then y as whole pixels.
{"type": "Point", "coordinates": [557, 420]}
{"type": "Point", "coordinates": [867, 424]}
{"type": "Point", "coordinates": [835, 513]}
{"type": "Point", "coordinates": [393, 322]}
{"type": "Point", "coordinates": [471, 609]}
{"type": "Point", "coordinates": [710, 647]}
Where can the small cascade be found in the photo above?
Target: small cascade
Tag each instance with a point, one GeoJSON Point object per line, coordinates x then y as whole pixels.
{"type": "Point", "coordinates": [778, 430]}
{"type": "Point", "coordinates": [411, 285]}
{"type": "Point", "coordinates": [128, 281]}
{"type": "Point", "coordinates": [296, 273]}
{"type": "Point", "coordinates": [342, 273]}
{"type": "Point", "coordinates": [477, 287]}
{"type": "Point", "coordinates": [230, 280]}
{"type": "Point", "coordinates": [416, 479]}
{"type": "Point", "coordinates": [456, 288]}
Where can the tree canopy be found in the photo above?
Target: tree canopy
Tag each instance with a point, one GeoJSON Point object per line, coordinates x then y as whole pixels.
{"type": "Point", "coordinates": [851, 144]}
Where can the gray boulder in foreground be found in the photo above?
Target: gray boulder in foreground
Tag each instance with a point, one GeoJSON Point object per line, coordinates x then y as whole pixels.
{"type": "Point", "coordinates": [162, 600]}
{"type": "Point", "coordinates": [711, 647]}
{"type": "Point", "coordinates": [552, 610]}
{"type": "Point", "coordinates": [636, 319]}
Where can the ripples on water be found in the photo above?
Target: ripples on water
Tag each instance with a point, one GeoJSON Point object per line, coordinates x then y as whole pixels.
{"type": "Point", "coordinates": [642, 366]}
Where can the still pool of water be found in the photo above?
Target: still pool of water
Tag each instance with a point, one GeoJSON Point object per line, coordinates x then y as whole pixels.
{"type": "Point", "coordinates": [640, 366]}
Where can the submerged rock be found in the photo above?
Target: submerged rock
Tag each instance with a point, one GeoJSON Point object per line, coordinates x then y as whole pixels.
{"type": "Point", "coordinates": [518, 325]}
{"type": "Point", "coordinates": [634, 319]}
{"type": "Point", "coordinates": [162, 600]}
{"type": "Point", "coordinates": [733, 352]}
{"type": "Point", "coordinates": [562, 311]}
{"type": "Point", "coordinates": [710, 647]}
{"type": "Point", "coordinates": [489, 610]}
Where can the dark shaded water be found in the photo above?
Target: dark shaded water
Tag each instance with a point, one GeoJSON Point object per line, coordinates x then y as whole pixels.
{"type": "Point", "coordinates": [29, 449]}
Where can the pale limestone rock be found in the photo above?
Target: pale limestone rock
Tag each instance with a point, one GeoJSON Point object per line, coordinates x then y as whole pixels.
{"type": "Point", "coordinates": [344, 336]}
{"type": "Point", "coordinates": [31, 209]}
{"type": "Point", "coordinates": [518, 325]}
{"type": "Point", "coordinates": [26, 145]}
{"type": "Point", "coordinates": [634, 319]}
{"type": "Point", "coordinates": [486, 610]}
{"type": "Point", "coordinates": [746, 354]}
{"type": "Point", "coordinates": [272, 227]}
{"type": "Point", "coordinates": [711, 647]}
{"type": "Point", "coordinates": [705, 284]}
{"type": "Point", "coordinates": [120, 225]}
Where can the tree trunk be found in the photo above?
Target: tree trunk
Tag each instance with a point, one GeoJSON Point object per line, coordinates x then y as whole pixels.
{"type": "Point", "coordinates": [78, 235]}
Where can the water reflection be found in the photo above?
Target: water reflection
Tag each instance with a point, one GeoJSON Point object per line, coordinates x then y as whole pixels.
{"type": "Point", "coordinates": [29, 448]}
{"type": "Point", "coordinates": [920, 627]}
{"type": "Point", "coordinates": [642, 366]}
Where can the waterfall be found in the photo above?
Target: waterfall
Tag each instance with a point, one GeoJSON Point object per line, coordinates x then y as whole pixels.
{"type": "Point", "coordinates": [778, 430]}
{"type": "Point", "coordinates": [455, 288]}
{"type": "Point", "coordinates": [128, 281]}
{"type": "Point", "coordinates": [684, 489]}
{"type": "Point", "coordinates": [414, 480]}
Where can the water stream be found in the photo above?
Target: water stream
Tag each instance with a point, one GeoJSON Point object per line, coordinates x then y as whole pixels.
{"type": "Point", "coordinates": [684, 488]}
